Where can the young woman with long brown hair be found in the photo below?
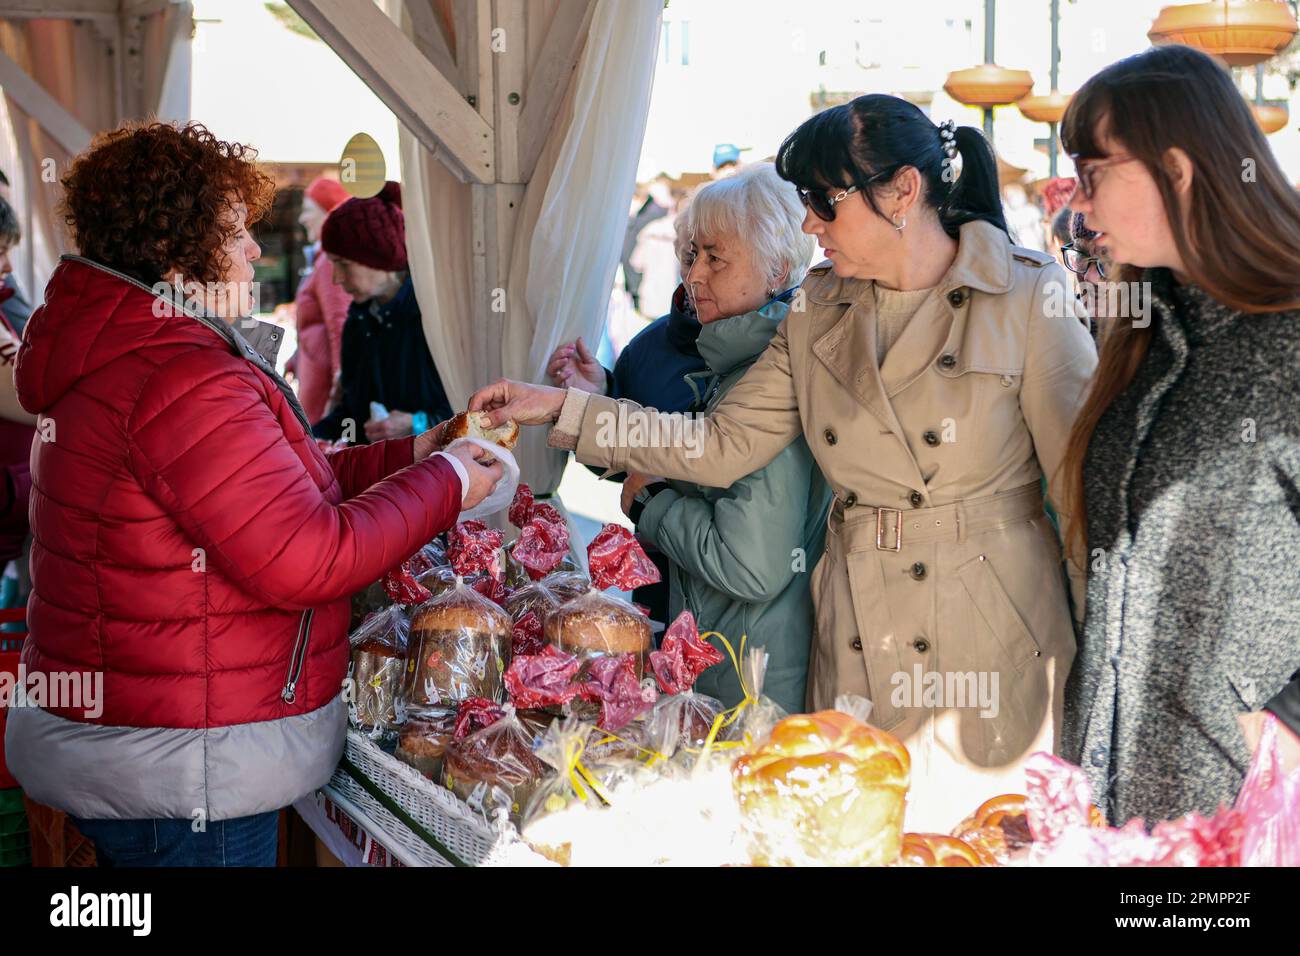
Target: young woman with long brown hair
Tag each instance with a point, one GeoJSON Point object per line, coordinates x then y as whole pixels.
{"type": "Point", "coordinates": [1184, 462]}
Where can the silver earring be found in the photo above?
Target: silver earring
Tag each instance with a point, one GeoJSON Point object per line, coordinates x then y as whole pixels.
{"type": "Point", "coordinates": [898, 226]}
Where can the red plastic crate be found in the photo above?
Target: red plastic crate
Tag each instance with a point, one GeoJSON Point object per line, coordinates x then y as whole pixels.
{"type": "Point", "coordinates": [10, 648]}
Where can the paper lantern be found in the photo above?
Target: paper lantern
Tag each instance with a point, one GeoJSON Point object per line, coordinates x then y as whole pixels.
{"type": "Point", "coordinates": [1271, 117]}
{"type": "Point", "coordinates": [1239, 32]}
{"type": "Point", "coordinates": [1045, 109]}
{"type": "Point", "coordinates": [988, 85]}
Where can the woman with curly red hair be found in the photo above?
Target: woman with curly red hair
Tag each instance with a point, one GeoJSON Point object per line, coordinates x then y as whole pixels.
{"type": "Point", "coordinates": [193, 548]}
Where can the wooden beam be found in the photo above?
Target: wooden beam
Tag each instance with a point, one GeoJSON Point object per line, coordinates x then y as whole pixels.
{"type": "Point", "coordinates": [430, 39]}
{"type": "Point", "coordinates": [58, 9]}
{"type": "Point", "coordinates": [510, 56]}
{"type": "Point", "coordinates": [144, 8]}
{"type": "Point", "coordinates": [550, 78]}
{"type": "Point", "coordinates": [37, 103]}
{"type": "Point", "coordinates": [421, 97]}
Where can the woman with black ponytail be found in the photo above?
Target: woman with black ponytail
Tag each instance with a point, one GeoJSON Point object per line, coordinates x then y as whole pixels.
{"type": "Point", "coordinates": [935, 370]}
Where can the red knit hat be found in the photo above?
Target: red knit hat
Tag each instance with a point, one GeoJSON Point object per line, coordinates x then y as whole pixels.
{"type": "Point", "coordinates": [369, 231]}
{"type": "Point", "coordinates": [326, 193]}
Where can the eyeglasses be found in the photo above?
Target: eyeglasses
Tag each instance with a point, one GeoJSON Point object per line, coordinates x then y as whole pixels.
{"type": "Point", "coordinates": [1087, 170]}
{"type": "Point", "coordinates": [1078, 261]}
{"type": "Point", "coordinates": [823, 206]}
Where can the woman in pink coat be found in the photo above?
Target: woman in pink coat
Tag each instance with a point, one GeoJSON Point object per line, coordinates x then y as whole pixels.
{"type": "Point", "coordinates": [321, 306]}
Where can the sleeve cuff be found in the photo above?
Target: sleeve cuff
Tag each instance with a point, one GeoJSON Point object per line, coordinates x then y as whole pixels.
{"type": "Point", "coordinates": [652, 515]}
{"type": "Point", "coordinates": [565, 432]}
{"type": "Point", "coordinates": [461, 473]}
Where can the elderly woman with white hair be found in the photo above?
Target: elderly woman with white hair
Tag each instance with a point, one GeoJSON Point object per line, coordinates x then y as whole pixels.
{"type": "Point", "coordinates": [740, 556]}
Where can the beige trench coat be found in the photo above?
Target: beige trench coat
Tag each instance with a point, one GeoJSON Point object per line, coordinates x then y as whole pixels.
{"type": "Point", "coordinates": [940, 562]}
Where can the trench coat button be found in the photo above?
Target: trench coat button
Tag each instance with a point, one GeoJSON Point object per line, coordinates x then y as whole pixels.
{"type": "Point", "coordinates": [916, 498]}
{"type": "Point", "coordinates": [1099, 757]}
{"type": "Point", "coordinates": [857, 644]}
{"type": "Point", "coordinates": [947, 360]}
{"type": "Point", "coordinates": [829, 435]}
{"type": "Point", "coordinates": [918, 570]}
{"type": "Point", "coordinates": [957, 297]}
{"type": "Point", "coordinates": [921, 645]}
{"type": "Point", "coordinates": [850, 500]}
{"type": "Point", "coordinates": [931, 438]}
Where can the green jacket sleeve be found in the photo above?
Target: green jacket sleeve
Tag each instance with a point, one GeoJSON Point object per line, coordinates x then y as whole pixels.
{"type": "Point", "coordinates": [743, 544]}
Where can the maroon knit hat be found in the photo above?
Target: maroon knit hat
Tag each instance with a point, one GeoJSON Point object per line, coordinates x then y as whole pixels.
{"type": "Point", "coordinates": [369, 231]}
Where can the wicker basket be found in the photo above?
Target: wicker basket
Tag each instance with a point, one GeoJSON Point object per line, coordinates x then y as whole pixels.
{"type": "Point", "coordinates": [464, 834]}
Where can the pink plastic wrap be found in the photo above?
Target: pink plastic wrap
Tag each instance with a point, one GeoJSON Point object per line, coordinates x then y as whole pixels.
{"type": "Point", "coordinates": [542, 545]}
{"type": "Point", "coordinates": [548, 511]}
{"type": "Point", "coordinates": [1269, 804]}
{"type": "Point", "coordinates": [472, 546]}
{"type": "Point", "coordinates": [682, 656]}
{"type": "Point", "coordinates": [401, 586]}
{"type": "Point", "coordinates": [1057, 805]}
{"type": "Point", "coordinates": [521, 508]}
{"type": "Point", "coordinates": [545, 679]}
{"type": "Point", "coordinates": [617, 561]}
{"type": "Point", "coordinates": [612, 681]}
{"type": "Point", "coordinates": [475, 713]}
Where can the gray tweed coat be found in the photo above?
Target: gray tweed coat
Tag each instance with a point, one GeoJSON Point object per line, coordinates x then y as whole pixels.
{"type": "Point", "coordinates": [1193, 609]}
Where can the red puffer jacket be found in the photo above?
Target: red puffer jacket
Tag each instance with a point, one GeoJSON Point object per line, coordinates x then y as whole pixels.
{"type": "Point", "coordinates": [193, 551]}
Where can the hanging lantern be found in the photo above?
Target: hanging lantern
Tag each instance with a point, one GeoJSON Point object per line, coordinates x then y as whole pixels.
{"type": "Point", "coordinates": [1271, 117]}
{"type": "Point", "coordinates": [1045, 109]}
{"type": "Point", "coordinates": [988, 85]}
{"type": "Point", "coordinates": [1239, 32]}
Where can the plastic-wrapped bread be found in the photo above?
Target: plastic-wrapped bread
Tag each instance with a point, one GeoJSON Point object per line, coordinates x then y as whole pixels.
{"type": "Point", "coordinates": [459, 648]}
{"type": "Point", "coordinates": [494, 769]}
{"type": "Point", "coordinates": [423, 741]}
{"type": "Point", "coordinates": [378, 662]}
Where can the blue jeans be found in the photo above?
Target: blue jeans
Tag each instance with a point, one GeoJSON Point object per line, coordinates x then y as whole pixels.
{"type": "Point", "coordinates": [243, 841]}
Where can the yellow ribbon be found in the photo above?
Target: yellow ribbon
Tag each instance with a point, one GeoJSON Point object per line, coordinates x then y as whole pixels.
{"type": "Point", "coordinates": [728, 716]}
{"type": "Point", "coordinates": [577, 772]}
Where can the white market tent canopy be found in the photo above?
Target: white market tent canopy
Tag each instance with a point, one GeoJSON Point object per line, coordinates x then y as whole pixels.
{"type": "Point", "coordinates": [521, 127]}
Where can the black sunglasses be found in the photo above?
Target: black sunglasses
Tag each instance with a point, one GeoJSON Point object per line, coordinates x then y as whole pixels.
{"type": "Point", "coordinates": [1078, 261]}
{"type": "Point", "coordinates": [823, 205]}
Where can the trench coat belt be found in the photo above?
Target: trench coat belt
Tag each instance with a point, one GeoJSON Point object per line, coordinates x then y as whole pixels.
{"type": "Point", "coordinates": [889, 529]}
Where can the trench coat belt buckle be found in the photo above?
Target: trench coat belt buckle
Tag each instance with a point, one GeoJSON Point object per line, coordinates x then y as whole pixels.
{"type": "Point", "coordinates": [881, 544]}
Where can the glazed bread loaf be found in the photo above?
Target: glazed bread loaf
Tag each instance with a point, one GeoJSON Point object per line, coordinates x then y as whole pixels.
{"type": "Point", "coordinates": [826, 788]}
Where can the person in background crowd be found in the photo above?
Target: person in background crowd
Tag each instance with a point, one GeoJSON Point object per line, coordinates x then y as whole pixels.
{"type": "Point", "coordinates": [1061, 231]}
{"type": "Point", "coordinates": [15, 306]}
{"type": "Point", "coordinates": [726, 160]}
{"type": "Point", "coordinates": [648, 204]}
{"type": "Point", "coordinates": [1024, 218]}
{"type": "Point", "coordinates": [1185, 459]}
{"type": "Point", "coordinates": [321, 305]}
{"type": "Point", "coordinates": [657, 368]}
{"type": "Point", "coordinates": [17, 430]}
{"type": "Point", "coordinates": [1081, 257]}
{"type": "Point", "coordinates": [194, 549]}
{"type": "Point", "coordinates": [385, 357]}
{"type": "Point", "coordinates": [656, 258]}
{"type": "Point", "coordinates": [935, 373]}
